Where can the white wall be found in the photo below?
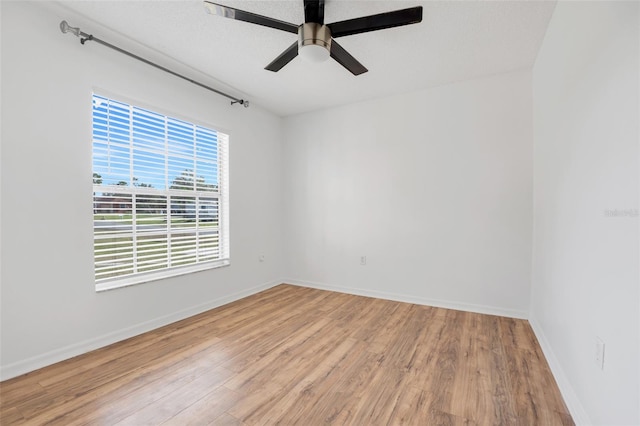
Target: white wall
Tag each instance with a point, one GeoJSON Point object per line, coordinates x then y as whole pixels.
{"type": "Point", "coordinates": [585, 263]}
{"type": "Point", "coordinates": [434, 187]}
{"type": "Point", "coordinates": [50, 309]}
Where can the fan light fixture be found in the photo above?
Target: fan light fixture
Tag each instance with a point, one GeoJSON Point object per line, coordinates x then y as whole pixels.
{"type": "Point", "coordinates": [314, 53]}
{"type": "Point", "coordinates": [314, 42]}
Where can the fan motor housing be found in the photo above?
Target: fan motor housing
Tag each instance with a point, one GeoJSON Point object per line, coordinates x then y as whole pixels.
{"type": "Point", "coordinates": [314, 34]}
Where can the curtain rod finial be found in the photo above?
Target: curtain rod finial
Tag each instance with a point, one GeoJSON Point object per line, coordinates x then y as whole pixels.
{"type": "Point", "coordinates": [66, 28]}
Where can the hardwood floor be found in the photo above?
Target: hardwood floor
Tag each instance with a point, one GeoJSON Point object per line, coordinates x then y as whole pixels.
{"type": "Point", "coordinates": [293, 355]}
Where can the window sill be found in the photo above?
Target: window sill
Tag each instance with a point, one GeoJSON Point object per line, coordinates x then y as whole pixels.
{"type": "Point", "coordinates": [158, 275]}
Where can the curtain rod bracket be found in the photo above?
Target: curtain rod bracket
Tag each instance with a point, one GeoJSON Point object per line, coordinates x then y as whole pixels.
{"type": "Point", "coordinates": [84, 37]}
{"type": "Point", "coordinates": [241, 102]}
{"type": "Point", "coordinates": [88, 38]}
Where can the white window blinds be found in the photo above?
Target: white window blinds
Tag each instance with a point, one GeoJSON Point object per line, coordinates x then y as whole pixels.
{"type": "Point", "coordinates": [160, 195]}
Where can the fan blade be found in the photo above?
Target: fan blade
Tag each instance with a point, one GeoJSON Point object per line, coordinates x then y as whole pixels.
{"type": "Point", "coordinates": [346, 60]}
{"type": "Point", "coordinates": [284, 58]}
{"type": "Point", "coordinates": [381, 21]}
{"type": "Point", "coordinates": [241, 15]}
{"type": "Point", "coordinates": [314, 11]}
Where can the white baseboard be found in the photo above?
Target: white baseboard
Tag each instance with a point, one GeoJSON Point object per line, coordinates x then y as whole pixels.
{"type": "Point", "coordinates": [467, 307]}
{"type": "Point", "coordinates": [30, 364]}
{"type": "Point", "coordinates": [576, 409]}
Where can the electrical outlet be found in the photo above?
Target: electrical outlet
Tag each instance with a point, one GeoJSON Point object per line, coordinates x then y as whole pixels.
{"type": "Point", "coordinates": [363, 260]}
{"type": "Point", "coordinates": [600, 353]}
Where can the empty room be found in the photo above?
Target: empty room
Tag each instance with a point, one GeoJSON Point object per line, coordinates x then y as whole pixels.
{"type": "Point", "coordinates": [307, 212]}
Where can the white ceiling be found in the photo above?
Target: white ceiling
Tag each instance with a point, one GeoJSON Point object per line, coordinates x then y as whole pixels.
{"type": "Point", "coordinates": [457, 40]}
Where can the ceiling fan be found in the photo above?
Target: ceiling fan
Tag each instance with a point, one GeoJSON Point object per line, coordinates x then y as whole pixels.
{"type": "Point", "coordinates": [316, 40]}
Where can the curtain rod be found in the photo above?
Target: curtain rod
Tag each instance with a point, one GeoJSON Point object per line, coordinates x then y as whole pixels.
{"type": "Point", "coordinates": [84, 37]}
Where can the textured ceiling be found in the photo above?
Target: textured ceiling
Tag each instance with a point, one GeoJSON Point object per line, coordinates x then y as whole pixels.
{"type": "Point", "coordinates": [457, 40]}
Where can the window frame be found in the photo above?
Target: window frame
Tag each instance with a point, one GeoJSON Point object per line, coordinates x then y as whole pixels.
{"type": "Point", "coordinates": [222, 197]}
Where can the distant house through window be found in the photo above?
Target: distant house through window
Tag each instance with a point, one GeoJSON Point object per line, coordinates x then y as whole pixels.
{"type": "Point", "coordinates": [160, 197]}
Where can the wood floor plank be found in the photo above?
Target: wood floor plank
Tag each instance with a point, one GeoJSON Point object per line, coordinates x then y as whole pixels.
{"type": "Point", "coordinates": [11, 416]}
{"type": "Point", "coordinates": [280, 336]}
{"type": "Point", "coordinates": [380, 312]}
{"type": "Point", "coordinates": [264, 368]}
{"type": "Point", "coordinates": [298, 362]}
{"type": "Point", "coordinates": [444, 363]}
{"type": "Point", "coordinates": [176, 399]}
{"type": "Point", "coordinates": [504, 399]}
{"type": "Point", "coordinates": [337, 301]}
{"type": "Point", "coordinates": [472, 396]}
{"type": "Point", "coordinates": [337, 404]}
{"type": "Point", "coordinates": [206, 410]}
{"type": "Point", "coordinates": [314, 386]}
{"type": "Point", "coordinates": [293, 355]}
{"type": "Point", "coordinates": [412, 407]}
{"type": "Point", "coordinates": [389, 329]}
{"type": "Point", "coordinates": [14, 391]}
{"type": "Point", "coordinates": [121, 397]}
{"type": "Point", "coordinates": [226, 419]}
{"type": "Point", "coordinates": [376, 402]}
{"type": "Point", "coordinates": [63, 395]}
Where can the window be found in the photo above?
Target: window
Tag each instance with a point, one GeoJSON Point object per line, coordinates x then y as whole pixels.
{"type": "Point", "coordinates": [160, 198]}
